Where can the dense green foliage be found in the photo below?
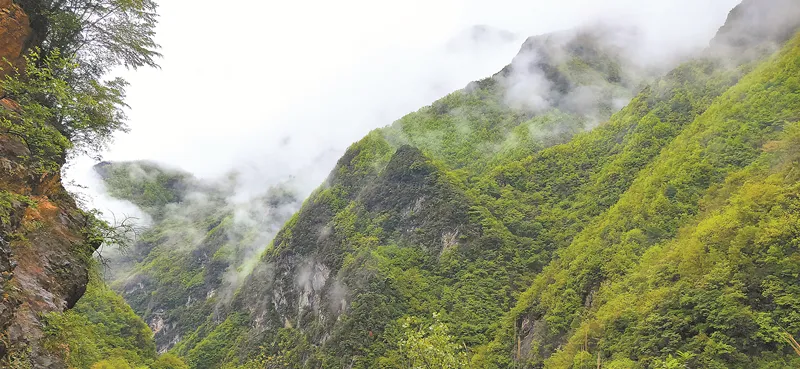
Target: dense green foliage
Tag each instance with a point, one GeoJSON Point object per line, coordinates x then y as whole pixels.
{"type": "Point", "coordinates": [664, 237]}
{"type": "Point", "coordinates": [721, 306]}
{"type": "Point", "coordinates": [53, 116]}
{"type": "Point", "coordinates": [426, 347]}
{"type": "Point", "coordinates": [102, 331]}
{"type": "Point", "coordinates": [61, 105]}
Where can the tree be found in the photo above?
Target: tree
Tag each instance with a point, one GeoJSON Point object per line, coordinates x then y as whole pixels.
{"type": "Point", "coordinates": [429, 346]}
{"type": "Point", "coordinates": [169, 361]}
{"type": "Point", "coordinates": [114, 363]}
{"type": "Point", "coordinates": [52, 116]}
{"type": "Point", "coordinates": [101, 34]}
{"type": "Point", "coordinates": [60, 104]}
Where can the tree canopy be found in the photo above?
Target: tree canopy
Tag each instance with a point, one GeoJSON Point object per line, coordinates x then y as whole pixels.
{"type": "Point", "coordinates": [62, 105]}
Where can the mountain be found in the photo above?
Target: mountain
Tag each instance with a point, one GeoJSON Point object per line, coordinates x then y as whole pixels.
{"type": "Point", "coordinates": [571, 211]}
{"type": "Point", "coordinates": [587, 82]}
{"type": "Point", "coordinates": [200, 244]}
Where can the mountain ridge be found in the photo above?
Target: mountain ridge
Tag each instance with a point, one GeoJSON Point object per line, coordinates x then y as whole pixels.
{"type": "Point", "coordinates": [523, 213]}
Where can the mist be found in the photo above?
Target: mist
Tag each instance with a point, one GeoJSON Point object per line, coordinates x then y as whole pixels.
{"type": "Point", "coordinates": [266, 95]}
{"type": "Point", "coordinates": [273, 90]}
{"type": "Point", "coordinates": [257, 101]}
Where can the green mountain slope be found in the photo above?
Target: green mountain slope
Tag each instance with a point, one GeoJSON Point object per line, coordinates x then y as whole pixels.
{"type": "Point", "coordinates": [387, 193]}
{"type": "Point", "coordinates": [729, 136]}
{"type": "Point", "coordinates": [200, 244]}
{"type": "Point", "coordinates": [102, 332]}
{"type": "Point", "coordinates": [100, 327]}
{"type": "Point", "coordinates": [530, 218]}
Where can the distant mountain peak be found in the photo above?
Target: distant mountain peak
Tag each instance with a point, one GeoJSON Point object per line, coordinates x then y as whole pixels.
{"type": "Point", "coordinates": [481, 36]}
{"type": "Point", "coordinates": [757, 21]}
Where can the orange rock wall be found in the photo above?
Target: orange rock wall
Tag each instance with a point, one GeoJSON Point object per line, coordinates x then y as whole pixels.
{"type": "Point", "coordinates": [15, 34]}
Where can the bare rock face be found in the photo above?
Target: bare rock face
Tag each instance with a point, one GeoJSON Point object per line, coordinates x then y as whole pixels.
{"type": "Point", "coordinates": [15, 34]}
{"type": "Point", "coordinates": [44, 256]}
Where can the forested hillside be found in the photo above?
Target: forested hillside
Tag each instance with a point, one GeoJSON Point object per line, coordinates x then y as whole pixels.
{"type": "Point", "coordinates": [571, 211]}
{"type": "Point", "coordinates": [578, 209]}
{"type": "Point", "coordinates": [187, 265]}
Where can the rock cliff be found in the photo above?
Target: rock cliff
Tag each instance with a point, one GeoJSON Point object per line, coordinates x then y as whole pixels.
{"type": "Point", "coordinates": [44, 250]}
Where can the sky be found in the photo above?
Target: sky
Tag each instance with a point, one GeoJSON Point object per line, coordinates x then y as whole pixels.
{"type": "Point", "coordinates": [279, 89]}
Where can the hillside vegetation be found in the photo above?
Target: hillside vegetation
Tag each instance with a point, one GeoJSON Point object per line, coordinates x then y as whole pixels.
{"type": "Point", "coordinates": [567, 212]}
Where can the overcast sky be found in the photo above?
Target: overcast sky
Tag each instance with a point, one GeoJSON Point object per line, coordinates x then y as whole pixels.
{"type": "Point", "coordinates": [280, 88]}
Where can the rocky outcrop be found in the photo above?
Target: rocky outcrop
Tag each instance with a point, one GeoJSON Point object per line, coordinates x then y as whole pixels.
{"type": "Point", "coordinates": [44, 252]}
{"type": "Point", "coordinates": [16, 35]}
{"type": "Point", "coordinates": [44, 255]}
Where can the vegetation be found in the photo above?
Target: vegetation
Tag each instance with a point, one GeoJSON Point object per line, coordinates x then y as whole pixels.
{"type": "Point", "coordinates": [718, 155]}
{"type": "Point", "coordinates": [426, 347]}
{"type": "Point", "coordinates": [179, 271]}
{"type": "Point", "coordinates": [665, 237]}
{"type": "Point", "coordinates": [53, 116]}
{"type": "Point", "coordinates": [147, 185]}
{"type": "Point", "coordinates": [57, 104]}
{"type": "Point", "coordinates": [98, 34]}
{"type": "Point", "coordinates": [60, 103]}
{"type": "Point", "coordinates": [102, 331]}
{"type": "Point", "coordinates": [8, 201]}
{"type": "Point", "coordinates": [662, 238]}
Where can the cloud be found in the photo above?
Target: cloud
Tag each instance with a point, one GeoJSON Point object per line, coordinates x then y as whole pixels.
{"type": "Point", "coordinates": [233, 88]}
{"type": "Point", "coordinates": [276, 91]}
